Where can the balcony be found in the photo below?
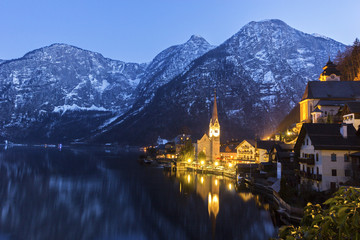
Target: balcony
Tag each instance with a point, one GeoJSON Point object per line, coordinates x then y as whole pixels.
{"type": "Point", "coordinates": [316, 177]}
{"type": "Point", "coordinates": [307, 160]}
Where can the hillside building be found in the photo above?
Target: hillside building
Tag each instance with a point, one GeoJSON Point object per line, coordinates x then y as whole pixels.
{"type": "Point", "coordinates": [323, 99]}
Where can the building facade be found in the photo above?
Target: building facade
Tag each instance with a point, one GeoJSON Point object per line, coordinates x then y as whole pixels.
{"type": "Point", "coordinates": [324, 154]}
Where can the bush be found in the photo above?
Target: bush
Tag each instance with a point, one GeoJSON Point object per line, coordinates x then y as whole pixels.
{"type": "Point", "coordinates": [339, 220]}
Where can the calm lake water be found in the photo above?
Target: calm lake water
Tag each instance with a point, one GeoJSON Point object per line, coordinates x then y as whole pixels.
{"type": "Point", "coordinates": [87, 193]}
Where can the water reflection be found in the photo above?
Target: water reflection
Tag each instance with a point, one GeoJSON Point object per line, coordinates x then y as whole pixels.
{"type": "Point", "coordinates": [232, 214]}
{"type": "Point", "coordinates": [101, 194]}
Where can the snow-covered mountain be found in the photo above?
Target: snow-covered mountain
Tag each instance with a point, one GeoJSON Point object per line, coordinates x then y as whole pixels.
{"type": "Point", "coordinates": [260, 73]}
{"type": "Point", "coordinates": [44, 84]}
{"type": "Point", "coordinates": [168, 64]}
{"type": "Point", "coordinates": [63, 92]}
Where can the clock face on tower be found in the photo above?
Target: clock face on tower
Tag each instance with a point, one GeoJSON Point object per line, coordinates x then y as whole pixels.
{"type": "Point", "coordinates": [214, 132]}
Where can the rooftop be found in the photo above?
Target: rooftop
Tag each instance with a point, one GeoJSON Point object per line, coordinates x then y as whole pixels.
{"type": "Point", "coordinates": [328, 136]}
{"type": "Point", "coordinates": [332, 90]}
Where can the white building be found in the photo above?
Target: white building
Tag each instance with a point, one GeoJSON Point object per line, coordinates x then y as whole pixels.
{"type": "Point", "coordinates": [351, 114]}
{"type": "Point", "coordinates": [324, 154]}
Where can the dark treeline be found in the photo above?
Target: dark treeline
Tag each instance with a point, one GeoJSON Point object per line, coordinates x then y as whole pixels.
{"type": "Point", "coordinates": [348, 62]}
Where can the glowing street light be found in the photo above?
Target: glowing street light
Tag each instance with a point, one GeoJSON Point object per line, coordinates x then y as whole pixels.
{"type": "Point", "coordinates": [216, 163]}
{"type": "Point", "coordinates": [189, 160]}
{"type": "Point", "coordinates": [202, 162]}
{"type": "Point", "coordinates": [230, 165]}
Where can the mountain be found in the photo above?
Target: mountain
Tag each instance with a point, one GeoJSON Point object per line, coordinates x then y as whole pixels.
{"type": "Point", "coordinates": [168, 64]}
{"type": "Point", "coordinates": [54, 89]}
{"type": "Point", "coordinates": [64, 93]}
{"type": "Point", "coordinates": [259, 73]}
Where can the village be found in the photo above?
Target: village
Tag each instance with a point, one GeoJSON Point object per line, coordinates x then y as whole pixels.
{"type": "Point", "coordinates": [308, 161]}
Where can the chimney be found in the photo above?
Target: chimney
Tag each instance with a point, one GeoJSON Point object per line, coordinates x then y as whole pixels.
{"type": "Point", "coordinates": [343, 130]}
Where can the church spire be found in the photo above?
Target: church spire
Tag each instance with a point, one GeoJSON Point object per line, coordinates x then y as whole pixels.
{"type": "Point", "coordinates": [215, 113]}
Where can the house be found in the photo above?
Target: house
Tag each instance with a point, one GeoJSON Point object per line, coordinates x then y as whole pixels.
{"type": "Point", "coordinates": [355, 161]}
{"type": "Point", "coordinates": [351, 114]}
{"type": "Point", "coordinates": [284, 157]}
{"type": "Point", "coordinates": [246, 151]}
{"type": "Point", "coordinates": [180, 141]}
{"type": "Point", "coordinates": [228, 152]}
{"type": "Point", "coordinates": [263, 149]}
{"type": "Point", "coordinates": [324, 151]}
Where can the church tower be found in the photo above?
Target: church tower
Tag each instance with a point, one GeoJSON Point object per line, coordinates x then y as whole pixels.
{"type": "Point", "coordinates": [330, 72]}
{"type": "Point", "coordinates": [214, 133]}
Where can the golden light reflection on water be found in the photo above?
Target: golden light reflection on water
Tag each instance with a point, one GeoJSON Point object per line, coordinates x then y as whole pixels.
{"type": "Point", "coordinates": [210, 188]}
{"type": "Point", "coordinates": [213, 204]}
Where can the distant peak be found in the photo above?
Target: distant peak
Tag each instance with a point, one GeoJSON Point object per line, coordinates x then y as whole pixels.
{"type": "Point", "coordinates": [56, 48]}
{"type": "Point", "coordinates": [277, 21]}
{"type": "Point", "coordinates": [197, 39]}
{"type": "Point", "coordinates": [266, 22]}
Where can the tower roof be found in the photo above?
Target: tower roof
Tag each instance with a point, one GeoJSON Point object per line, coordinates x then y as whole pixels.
{"type": "Point", "coordinates": [330, 68]}
{"type": "Point", "coordinates": [215, 113]}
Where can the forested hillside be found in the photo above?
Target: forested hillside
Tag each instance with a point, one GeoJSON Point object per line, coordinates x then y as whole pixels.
{"type": "Point", "coordinates": [349, 62]}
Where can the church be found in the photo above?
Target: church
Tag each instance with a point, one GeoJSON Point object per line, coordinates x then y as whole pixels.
{"type": "Point", "coordinates": [323, 99]}
{"type": "Point", "coordinates": [210, 144]}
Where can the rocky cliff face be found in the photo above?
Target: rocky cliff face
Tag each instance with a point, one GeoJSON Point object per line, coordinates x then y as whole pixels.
{"type": "Point", "coordinates": [63, 92]}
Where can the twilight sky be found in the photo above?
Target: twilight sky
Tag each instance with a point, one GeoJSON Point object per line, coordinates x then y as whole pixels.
{"type": "Point", "coordinates": [137, 30]}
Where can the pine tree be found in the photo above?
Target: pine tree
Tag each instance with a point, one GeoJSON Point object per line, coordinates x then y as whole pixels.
{"type": "Point", "coordinates": [349, 62]}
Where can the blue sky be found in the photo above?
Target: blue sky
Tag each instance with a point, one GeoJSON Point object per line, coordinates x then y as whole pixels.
{"type": "Point", "coordinates": [137, 30]}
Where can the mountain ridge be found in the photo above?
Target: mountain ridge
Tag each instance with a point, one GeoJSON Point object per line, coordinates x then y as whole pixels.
{"type": "Point", "coordinates": [64, 93]}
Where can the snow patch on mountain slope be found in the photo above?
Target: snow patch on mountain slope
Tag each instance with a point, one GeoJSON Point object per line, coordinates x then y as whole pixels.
{"type": "Point", "coordinates": [74, 107]}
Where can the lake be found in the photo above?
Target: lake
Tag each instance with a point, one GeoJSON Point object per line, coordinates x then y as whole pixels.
{"type": "Point", "coordinates": [96, 193]}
